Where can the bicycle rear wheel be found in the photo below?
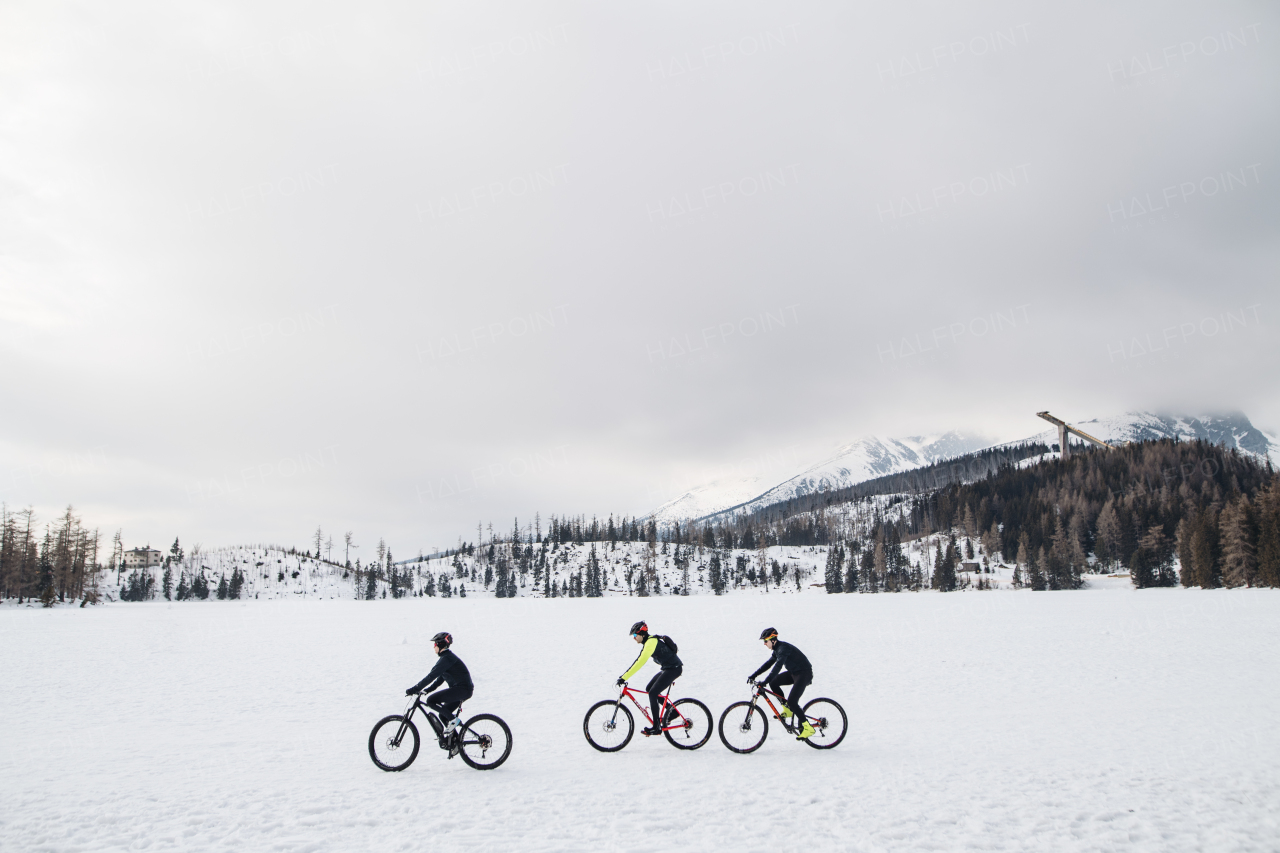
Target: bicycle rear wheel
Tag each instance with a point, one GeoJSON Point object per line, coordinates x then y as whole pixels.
{"type": "Point", "coordinates": [829, 723]}
{"type": "Point", "coordinates": [393, 743]}
{"type": "Point", "coordinates": [608, 725]}
{"type": "Point", "coordinates": [696, 728]}
{"type": "Point", "coordinates": [484, 741]}
{"type": "Point", "coordinates": [743, 727]}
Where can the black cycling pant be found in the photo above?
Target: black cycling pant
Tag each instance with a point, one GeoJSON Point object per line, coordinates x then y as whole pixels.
{"type": "Point", "coordinates": [659, 683]}
{"type": "Point", "coordinates": [446, 702]}
{"type": "Point", "coordinates": [800, 681]}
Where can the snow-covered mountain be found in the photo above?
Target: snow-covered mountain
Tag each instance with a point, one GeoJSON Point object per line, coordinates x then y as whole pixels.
{"type": "Point", "coordinates": [711, 497]}
{"type": "Point", "coordinates": [1230, 430]}
{"type": "Point", "coordinates": [852, 463]}
{"type": "Point", "coordinates": [872, 457]}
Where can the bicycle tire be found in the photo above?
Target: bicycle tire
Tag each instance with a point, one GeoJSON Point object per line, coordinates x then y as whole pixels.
{"type": "Point", "coordinates": [698, 726]}
{"type": "Point", "coordinates": [476, 741]}
{"type": "Point", "coordinates": [386, 740]}
{"type": "Point", "coordinates": [744, 722]}
{"type": "Point", "coordinates": [826, 717]}
{"type": "Point", "coordinates": [607, 724]}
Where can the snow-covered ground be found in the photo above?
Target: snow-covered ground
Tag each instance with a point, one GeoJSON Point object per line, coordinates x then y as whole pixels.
{"type": "Point", "coordinates": [1110, 719]}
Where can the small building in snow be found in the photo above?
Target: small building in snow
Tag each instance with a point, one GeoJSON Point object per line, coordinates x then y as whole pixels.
{"type": "Point", "coordinates": [142, 557]}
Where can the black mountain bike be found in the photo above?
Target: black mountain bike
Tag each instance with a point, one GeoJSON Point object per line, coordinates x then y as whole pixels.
{"type": "Point", "coordinates": [484, 741]}
{"type": "Point", "coordinates": [744, 725]}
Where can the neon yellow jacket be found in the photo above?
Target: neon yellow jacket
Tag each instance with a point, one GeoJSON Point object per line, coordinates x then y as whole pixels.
{"type": "Point", "coordinates": [646, 652]}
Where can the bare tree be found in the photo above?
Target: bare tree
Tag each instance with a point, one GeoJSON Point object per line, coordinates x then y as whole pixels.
{"type": "Point", "coordinates": [346, 538]}
{"type": "Point", "coordinates": [117, 554]}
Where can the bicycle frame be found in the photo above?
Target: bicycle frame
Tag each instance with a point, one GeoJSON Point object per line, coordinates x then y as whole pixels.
{"type": "Point", "coordinates": [630, 692]}
{"type": "Point", "coordinates": [762, 692]}
{"type": "Point", "coordinates": [418, 705]}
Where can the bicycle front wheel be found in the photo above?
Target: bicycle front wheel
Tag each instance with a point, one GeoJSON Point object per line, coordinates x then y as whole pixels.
{"type": "Point", "coordinates": [743, 727]}
{"type": "Point", "coordinates": [694, 721]}
{"type": "Point", "coordinates": [484, 741]}
{"type": "Point", "coordinates": [608, 725]}
{"type": "Point", "coordinates": [393, 743]}
{"type": "Point", "coordinates": [829, 723]}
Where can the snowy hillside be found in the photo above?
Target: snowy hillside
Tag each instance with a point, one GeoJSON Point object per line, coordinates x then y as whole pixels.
{"type": "Point", "coordinates": [852, 463]}
{"type": "Point", "coordinates": [547, 570]}
{"type": "Point", "coordinates": [1233, 430]}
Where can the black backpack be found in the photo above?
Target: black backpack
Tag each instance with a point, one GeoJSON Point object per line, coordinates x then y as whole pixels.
{"type": "Point", "coordinates": [670, 642]}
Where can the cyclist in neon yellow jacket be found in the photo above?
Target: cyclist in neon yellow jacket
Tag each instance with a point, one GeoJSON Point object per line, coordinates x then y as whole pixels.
{"type": "Point", "coordinates": [665, 657]}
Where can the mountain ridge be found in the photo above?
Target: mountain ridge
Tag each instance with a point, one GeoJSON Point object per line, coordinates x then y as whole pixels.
{"type": "Point", "coordinates": [876, 456]}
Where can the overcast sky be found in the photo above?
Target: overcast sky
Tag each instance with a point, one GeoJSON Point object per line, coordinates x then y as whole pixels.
{"type": "Point", "coordinates": [398, 268]}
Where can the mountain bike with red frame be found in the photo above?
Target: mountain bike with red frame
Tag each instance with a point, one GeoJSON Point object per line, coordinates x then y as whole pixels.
{"type": "Point", "coordinates": [609, 724]}
{"type": "Point", "coordinates": [744, 725]}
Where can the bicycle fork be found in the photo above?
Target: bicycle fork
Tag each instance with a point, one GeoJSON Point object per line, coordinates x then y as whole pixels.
{"type": "Point", "coordinates": [404, 725]}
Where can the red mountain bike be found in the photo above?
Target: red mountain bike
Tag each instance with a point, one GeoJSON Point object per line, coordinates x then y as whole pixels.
{"type": "Point", "coordinates": [744, 726]}
{"type": "Point", "coordinates": [609, 725]}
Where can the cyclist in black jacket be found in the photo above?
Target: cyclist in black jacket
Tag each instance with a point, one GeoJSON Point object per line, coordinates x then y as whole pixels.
{"type": "Point", "coordinates": [451, 670]}
{"type": "Point", "coordinates": [799, 674]}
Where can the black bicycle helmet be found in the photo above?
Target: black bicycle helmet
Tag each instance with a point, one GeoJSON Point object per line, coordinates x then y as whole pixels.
{"type": "Point", "coordinates": [769, 634]}
{"type": "Point", "coordinates": [640, 628]}
{"type": "Point", "coordinates": [444, 638]}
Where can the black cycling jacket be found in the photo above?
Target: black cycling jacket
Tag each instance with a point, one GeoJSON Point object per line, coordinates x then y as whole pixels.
{"type": "Point", "coordinates": [450, 669]}
{"type": "Point", "coordinates": [785, 655]}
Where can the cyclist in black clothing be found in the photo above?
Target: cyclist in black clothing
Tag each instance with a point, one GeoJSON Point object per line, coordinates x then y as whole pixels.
{"type": "Point", "coordinates": [799, 674]}
{"type": "Point", "coordinates": [665, 657]}
{"type": "Point", "coordinates": [451, 670]}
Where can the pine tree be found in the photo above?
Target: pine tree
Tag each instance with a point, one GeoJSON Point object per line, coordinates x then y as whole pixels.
{"type": "Point", "coordinates": [1035, 572]}
{"type": "Point", "coordinates": [45, 582]}
{"type": "Point", "coordinates": [184, 590]}
{"type": "Point", "coordinates": [835, 560]}
{"type": "Point", "coordinates": [1186, 563]}
{"type": "Point", "coordinates": [167, 585]}
{"type": "Point", "coordinates": [1204, 550]}
{"type": "Point", "coordinates": [1268, 518]}
{"type": "Point", "coordinates": [222, 588]}
{"type": "Point", "coordinates": [1109, 535]}
{"type": "Point", "coordinates": [867, 574]}
{"type": "Point", "coordinates": [595, 587]}
{"type": "Point", "coordinates": [944, 576]}
{"type": "Point", "coordinates": [1239, 548]}
{"type": "Point", "coordinates": [851, 572]}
